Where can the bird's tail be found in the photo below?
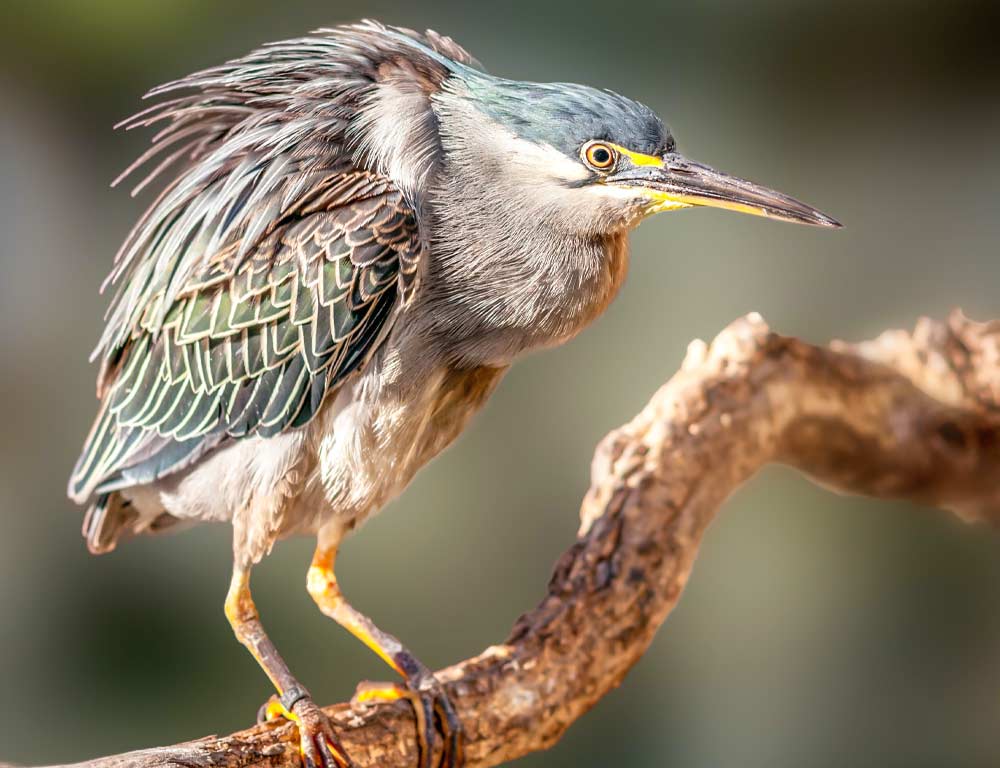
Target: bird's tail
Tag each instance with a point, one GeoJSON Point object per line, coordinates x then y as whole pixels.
{"type": "Point", "coordinates": [112, 517]}
{"type": "Point", "coordinates": [107, 518]}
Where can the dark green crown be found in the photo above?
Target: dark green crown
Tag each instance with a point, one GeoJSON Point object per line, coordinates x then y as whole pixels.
{"type": "Point", "coordinates": [567, 115]}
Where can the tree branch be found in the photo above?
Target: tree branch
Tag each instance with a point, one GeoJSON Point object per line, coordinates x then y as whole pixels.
{"type": "Point", "coordinates": [908, 415]}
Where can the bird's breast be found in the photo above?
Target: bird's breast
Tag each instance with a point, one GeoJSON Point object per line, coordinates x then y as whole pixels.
{"type": "Point", "coordinates": [493, 310]}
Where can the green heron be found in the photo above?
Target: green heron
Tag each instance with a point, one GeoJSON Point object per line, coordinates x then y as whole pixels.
{"type": "Point", "coordinates": [362, 231]}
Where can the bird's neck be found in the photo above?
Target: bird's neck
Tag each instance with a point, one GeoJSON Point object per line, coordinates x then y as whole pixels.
{"type": "Point", "coordinates": [501, 282]}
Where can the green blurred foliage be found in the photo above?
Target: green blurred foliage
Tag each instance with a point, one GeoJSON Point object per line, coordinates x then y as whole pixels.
{"type": "Point", "coordinates": [816, 631]}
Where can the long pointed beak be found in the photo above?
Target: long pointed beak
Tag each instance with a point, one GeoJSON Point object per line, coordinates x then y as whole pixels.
{"type": "Point", "coordinates": [680, 183]}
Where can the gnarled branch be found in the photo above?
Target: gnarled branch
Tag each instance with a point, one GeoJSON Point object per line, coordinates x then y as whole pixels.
{"type": "Point", "coordinates": [908, 415]}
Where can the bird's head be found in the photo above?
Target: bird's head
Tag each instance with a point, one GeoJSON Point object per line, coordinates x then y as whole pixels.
{"type": "Point", "coordinates": [587, 159]}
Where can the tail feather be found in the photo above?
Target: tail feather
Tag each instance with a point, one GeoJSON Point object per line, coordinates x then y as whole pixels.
{"type": "Point", "coordinates": [113, 517]}
{"type": "Point", "coordinates": [107, 519]}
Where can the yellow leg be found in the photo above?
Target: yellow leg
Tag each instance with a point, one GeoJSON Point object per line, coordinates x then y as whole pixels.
{"type": "Point", "coordinates": [422, 689]}
{"type": "Point", "coordinates": [322, 585]}
{"type": "Point", "coordinates": [318, 743]}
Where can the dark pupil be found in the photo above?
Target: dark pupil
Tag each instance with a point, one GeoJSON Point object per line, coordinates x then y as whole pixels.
{"type": "Point", "coordinates": [601, 156]}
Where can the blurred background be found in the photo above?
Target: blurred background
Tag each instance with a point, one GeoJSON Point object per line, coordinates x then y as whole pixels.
{"type": "Point", "coordinates": [816, 631]}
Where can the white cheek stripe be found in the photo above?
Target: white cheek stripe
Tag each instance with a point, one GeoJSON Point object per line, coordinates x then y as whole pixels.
{"type": "Point", "coordinates": [540, 160]}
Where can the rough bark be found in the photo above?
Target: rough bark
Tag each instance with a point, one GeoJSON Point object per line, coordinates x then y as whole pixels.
{"type": "Point", "coordinates": [908, 415]}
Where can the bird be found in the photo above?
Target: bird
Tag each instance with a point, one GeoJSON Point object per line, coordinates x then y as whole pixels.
{"type": "Point", "coordinates": [357, 232]}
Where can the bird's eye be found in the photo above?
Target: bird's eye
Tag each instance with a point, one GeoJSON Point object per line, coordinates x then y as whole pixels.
{"type": "Point", "coordinates": [599, 156]}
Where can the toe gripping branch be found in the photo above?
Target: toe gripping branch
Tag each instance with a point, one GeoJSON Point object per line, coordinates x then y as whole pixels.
{"type": "Point", "coordinates": [433, 711]}
{"type": "Point", "coordinates": [318, 744]}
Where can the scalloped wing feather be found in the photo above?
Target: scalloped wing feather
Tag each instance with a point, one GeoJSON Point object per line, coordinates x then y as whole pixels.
{"type": "Point", "coordinates": [256, 352]}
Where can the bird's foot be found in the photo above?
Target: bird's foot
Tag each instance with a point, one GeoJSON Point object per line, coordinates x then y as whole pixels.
{"type": "Point", "coordinates": [433, 710]}
{"type": "Point", "coordinates": [318, 743]}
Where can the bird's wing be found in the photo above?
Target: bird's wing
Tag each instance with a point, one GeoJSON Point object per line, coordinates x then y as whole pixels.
{"type": "Point", "coordinates": [251, 344]}
{"type": "Point", "coordinates": [275, 258]}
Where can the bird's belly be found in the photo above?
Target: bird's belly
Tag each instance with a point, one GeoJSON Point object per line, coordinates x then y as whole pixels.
{"type": "Point", "coordinates": [359, 453]}
{"type": "Point", "coordinates": [372, 441]}
{"type": "Point", "coordinates": [237, 475]}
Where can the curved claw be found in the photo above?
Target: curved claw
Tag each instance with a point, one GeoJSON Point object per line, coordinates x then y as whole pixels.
{"type": "Point", "coordinates": [318, 743]}
{"type": "Point", "coordinates": [433, 711]}
{"type": "Point", "coordinates": [451, 728]}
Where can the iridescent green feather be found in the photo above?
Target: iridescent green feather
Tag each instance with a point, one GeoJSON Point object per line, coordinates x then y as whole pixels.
{"type": "Point", "coordinates": [253, 345]}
